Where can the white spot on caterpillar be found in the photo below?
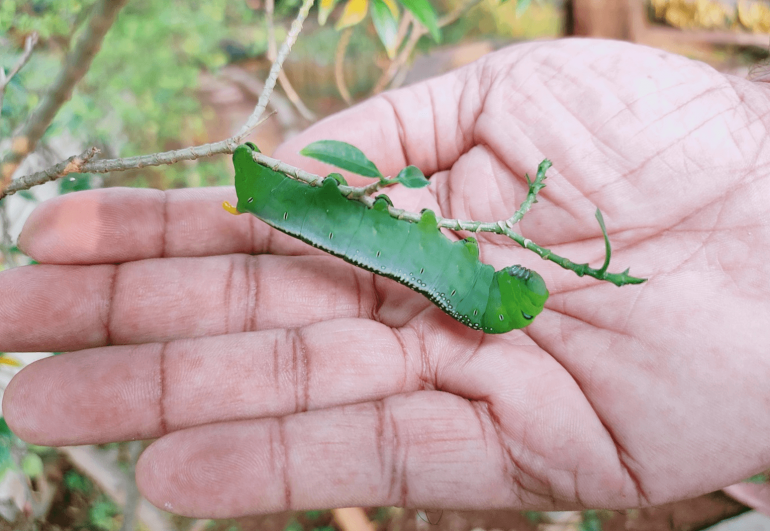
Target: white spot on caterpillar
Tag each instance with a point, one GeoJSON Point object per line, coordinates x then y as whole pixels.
{"type": "Point", "coordinates": [285, 215]}
{"type": "Point", "coordinates": [250, 200]}
{"type": "Point", "coordinates": [501, 317]}
{"type": "Point", "coordinates": [527, 242]}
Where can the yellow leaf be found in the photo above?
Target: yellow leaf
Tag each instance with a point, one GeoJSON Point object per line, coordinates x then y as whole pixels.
{"type": "Point", "coordinates": [324, 10]}
{"type": "Point", "coordinates": [5, 360]}
{"type": "Point", "coordinates": [392, 6]}
{"type": "Point", "coordinates": [355, 11]}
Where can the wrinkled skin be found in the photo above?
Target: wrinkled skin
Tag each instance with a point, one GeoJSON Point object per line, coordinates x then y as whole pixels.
{"type": "Point", "coordinates": [293, 380]}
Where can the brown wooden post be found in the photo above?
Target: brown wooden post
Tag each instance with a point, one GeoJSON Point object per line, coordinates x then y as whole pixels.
{"type": "Point", "coordinates": [600, 18]}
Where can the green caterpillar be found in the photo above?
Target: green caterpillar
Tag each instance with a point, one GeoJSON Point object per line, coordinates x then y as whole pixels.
{"type": "Point", "coordinates": [417, 255]}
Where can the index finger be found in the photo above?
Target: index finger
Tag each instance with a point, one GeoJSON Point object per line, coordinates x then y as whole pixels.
{"type": "Point", "coordinates": [114, 225]}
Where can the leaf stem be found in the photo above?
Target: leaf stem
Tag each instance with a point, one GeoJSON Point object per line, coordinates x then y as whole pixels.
{"type": "Point", "coordinates": [607, 246]}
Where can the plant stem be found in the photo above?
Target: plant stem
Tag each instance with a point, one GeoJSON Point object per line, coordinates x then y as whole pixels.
{"type": "Point", "coordinates": [283, 79]}
{"type": "Point", "coordinates": [74, 164]}
{"type": "Point", "coordinates": [296, 27]}
{"type": "Point", "coordinates": [339, 65]}
{"type": "Point", "coordinates": [361, 194]}
{"type": "Point", "coordinates": [534, 188]}
{"type": "Point", "coordinates": [29, 45]}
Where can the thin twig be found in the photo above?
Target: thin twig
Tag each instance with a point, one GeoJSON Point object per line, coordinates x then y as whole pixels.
{"type": "Point", "coordinates": [456, 13]}
{"type": "Point", "coordinates": [400, 60]}
{"type": "Point", "coordinates": [76, 64]}
{"type": "Point", "coordinates": [29, 45]}
{"type": "Point", "coordinates": [283, 79]}
{"type": "Point", "coordinates": [418, 30]}
{"type": "Point", "coordinates": [403, 28]}
{"type": "Point", "coordinates": [296, 27]}
{"type": "Point", "coordinates": [339, 65]}
{"type": "Point", "coordinates": [132, 491]}
{"type": "Point", "coordinates": [74, 164]}
{"type": "Point", "coordinates": [534, 189]}
{"type": "Point", "coordinates": [498, 227]}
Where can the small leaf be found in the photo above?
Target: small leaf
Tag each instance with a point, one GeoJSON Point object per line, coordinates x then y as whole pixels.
{"type": "Point", "coordinates": [342, 155]}
{"type": "Point", "coordinates": [324, 10]}
{"type": "Point", "coordinates": [386, 24]}
{"type": "Point", "coordinates": [355, 12]}
{"type": "Point", "coordinates": [424, 13]}
{"type": "Point", "coordinates": [412, 177]}
{"type": "Point", "coordinates": [32, 466]}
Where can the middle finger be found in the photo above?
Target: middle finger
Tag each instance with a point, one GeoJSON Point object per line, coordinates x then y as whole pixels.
{"type": "Point", "coordinates": [145, 391]}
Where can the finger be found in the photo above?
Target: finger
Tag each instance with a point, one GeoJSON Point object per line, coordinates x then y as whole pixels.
{"type": "Point", "coordinates": [423, 449]}
{"type": "Point", "coordinates": [428, 125]}
{"type": "Point", "coordinates": [124, 224]}
{"type": "Point", "coordinates": [426, 449]}
{"type": "Point", "coordinates": [64, 308]}
{"type": "Point", "coordinates": [141, 392]}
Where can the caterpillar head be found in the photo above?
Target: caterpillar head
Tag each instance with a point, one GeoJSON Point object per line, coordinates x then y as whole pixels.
{"type": "Point", "coordinates": [517, 296]}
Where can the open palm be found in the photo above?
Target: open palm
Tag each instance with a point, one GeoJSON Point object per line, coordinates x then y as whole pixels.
{"type": "Point", "coordinates": [291, 379]}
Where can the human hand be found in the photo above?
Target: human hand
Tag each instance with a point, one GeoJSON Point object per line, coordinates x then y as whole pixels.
{"type": "Point", "coordinates": [293, 380]}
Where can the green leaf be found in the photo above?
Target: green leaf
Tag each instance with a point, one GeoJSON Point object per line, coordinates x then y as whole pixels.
{"type": "Point", "coordinates": [342, 155]}
{"type": "Point", "coordinates": [386, 24]}
{"type": "Point", "coordinates": [759, 478]}
{"type": "Point", "coordinates": [412, 177]}
{"type": "Point", "coordinates": [32, 466]}
{"type": "Point", "coordinates": [5, 431]}
{"type": "Point", "coordinates": [424, 13]}
{"type": "Point", "coordinates": [521, 7]}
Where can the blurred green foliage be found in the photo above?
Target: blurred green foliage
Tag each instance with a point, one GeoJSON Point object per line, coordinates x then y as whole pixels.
{"type": "Point", "coordinates": [102, 515]}
{"type": "Point", "coordinates": [140, 94]}
{"type": "Point", "coordinates": [7, 441]}
{"type": "Point", "coordinates": [77, 483]}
